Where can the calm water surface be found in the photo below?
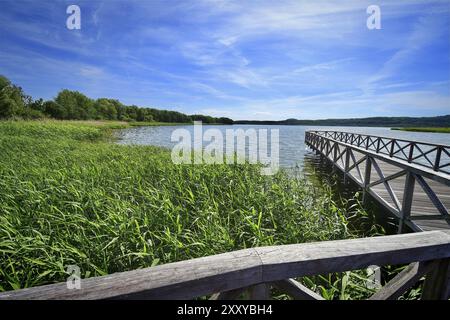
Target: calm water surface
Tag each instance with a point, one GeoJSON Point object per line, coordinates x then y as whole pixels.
{"type": "Point", "coordinates": [292, 138]}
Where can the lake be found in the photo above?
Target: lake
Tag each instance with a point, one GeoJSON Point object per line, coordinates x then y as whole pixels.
{"type": "Point", "coordinates": [293, 150]}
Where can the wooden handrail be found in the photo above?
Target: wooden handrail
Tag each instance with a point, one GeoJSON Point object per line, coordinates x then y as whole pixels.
{"type": "Point", "coordinates": [421, 169]}
{"type": "Point", "coordinates": [383, 137]}
{"type": "Point", "coordinates": [388, 162]}
{"type": "Point", "coordinates": [251, 267]}
{"type": "Point", "coordinates": [392, 148]}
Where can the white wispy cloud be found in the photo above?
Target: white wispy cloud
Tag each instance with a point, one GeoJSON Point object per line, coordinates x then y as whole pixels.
{"type": "Point", "coordinates": [427, 29]}
{"type": "Point", "coordinates": [246, 59]}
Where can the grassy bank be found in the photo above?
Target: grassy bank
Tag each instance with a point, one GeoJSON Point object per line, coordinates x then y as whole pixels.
{"type": "Point", "coordinates": [156, 124]}
{"type": "Point", "coordinates": [70, 196]}
{"type": "Point", "coordinates": [430, 129]}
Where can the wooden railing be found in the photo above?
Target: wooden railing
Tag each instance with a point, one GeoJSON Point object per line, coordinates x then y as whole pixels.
{"type": "Point", "coordinates": [255, 270]}
{"type": "Point", "coordinates": [368, 161]}
{"type": "Point", "coordinates": [429, 155]}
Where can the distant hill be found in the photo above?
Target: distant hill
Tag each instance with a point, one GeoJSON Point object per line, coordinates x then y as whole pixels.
{"type": "Point", "coordinates": [438, 121]}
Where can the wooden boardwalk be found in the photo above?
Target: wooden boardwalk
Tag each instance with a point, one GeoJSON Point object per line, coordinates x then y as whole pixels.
{"type": "Point", "coordinates": [409, 178]}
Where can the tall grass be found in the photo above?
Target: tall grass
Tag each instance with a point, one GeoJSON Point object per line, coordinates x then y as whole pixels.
{"type": "Point", "coordinates": [69, 196]}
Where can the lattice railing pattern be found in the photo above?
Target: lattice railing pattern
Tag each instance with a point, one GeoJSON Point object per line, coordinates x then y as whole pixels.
{"type": "Point", "coordinates": [365, 159]}
{"type": "Point", "coordinates": [434, 156]}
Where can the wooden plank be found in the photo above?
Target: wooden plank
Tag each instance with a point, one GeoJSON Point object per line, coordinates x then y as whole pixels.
{"type": "Point", "coordinates": [432, 195]}
{"type": "Point", "coordinates": [296, 290]}
{"type": "Point", "coordinates": [425, 227]}
{"type": "Point", "coordinates": [403, 281]}
{"type": "Point", "coordinates": [429, 217]}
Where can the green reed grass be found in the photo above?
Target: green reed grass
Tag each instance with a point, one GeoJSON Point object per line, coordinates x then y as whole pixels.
{"type": "Point", "coordinates": [70, 196]}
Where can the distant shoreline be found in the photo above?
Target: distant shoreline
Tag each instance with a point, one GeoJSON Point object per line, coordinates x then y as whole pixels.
{"type": "Point", "coordinates": [425, 129]}
{"type": "Point", "coordinates": [390, 122]}
{"type": "Point", "coordinates": [423, 124]}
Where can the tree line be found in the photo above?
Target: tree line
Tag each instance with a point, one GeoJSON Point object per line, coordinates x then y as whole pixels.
{"type": "Point", "coordinates": [73, 105]}
{"type": "Point", "coordinates": [437, 121]}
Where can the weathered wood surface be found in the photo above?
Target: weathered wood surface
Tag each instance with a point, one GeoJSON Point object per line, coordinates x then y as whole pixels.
{"type": "Point", "coordinates": [249, 267]}
{"type": "Point", "coordinates": [418, 195]}
{"type": "Point", "coordinates": [179, 280]}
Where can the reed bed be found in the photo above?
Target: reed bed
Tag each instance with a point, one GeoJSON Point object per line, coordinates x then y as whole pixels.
{"type": "Point", "coordinates": [71, 197]}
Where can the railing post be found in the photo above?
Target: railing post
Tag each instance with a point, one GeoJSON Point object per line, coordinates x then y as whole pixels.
{"type": "Point", "coordinates": [411, 152]}
{"type": "Point", "coordinates": [391, 153]}
{"type": "Point", "coordinates": [408, 193]}
{"type": "Point", "coordinates": [367, 174]}
{"type": "Point", "coordinates": [317, 143]}
{"type": "Point", "coordinates": [335, 151]}
{"type": "Point", "coordinates": [437, 161]}
{"type": "Point", "coordinates": [437, 282]}
{"type": "Point", "coordinates": [347, 162]}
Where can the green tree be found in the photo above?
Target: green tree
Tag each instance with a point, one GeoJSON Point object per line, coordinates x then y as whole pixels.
{"type": "Point", "coordinates": [105, 109]}
{"type": "Point", "coordinates": [12, 99]}
{"type": "Point", "coordinates": [143, 114]}
{"type": "Point", "coordinates": [37, 105]}
{"type": "Point", "coordinates": [77, 106]}
{"type": "Point", "coordinates": [55, 110]}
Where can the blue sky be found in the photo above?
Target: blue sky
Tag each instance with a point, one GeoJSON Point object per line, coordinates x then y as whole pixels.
{"type": "Point", "coordinates": [240, 59]}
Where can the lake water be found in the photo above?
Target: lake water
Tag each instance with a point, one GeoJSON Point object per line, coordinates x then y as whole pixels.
{"type": "Point", "coordinates": [292, 151]}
